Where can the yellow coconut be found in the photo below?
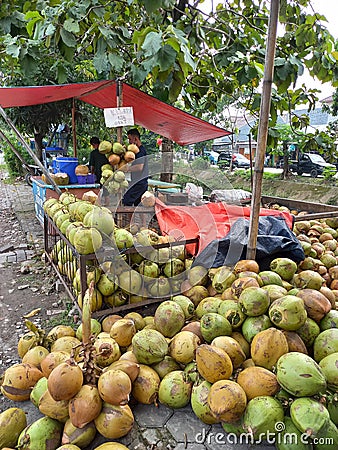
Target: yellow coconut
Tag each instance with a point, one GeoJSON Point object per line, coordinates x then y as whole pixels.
{"type": "Point", "coordinates": [129, 156]}
{"type": "Point", "coordinates": [12, 422]}
{"type": "Point", "coordinates": [137, 318]}
{"type": "Point", "coordinates": [146, 385]}
{"type": "Point", "coordinates": [111, 446]}
{"type": "Point", "coordinates": [213, 363]}
{"type": "Point", "coordinates": [114, 387]}
{"type": "Point", "coordinates": [129, 356]}
{"type": "Point", "coordinates": [267, 347]}
{"type": "Point", "coordinates": [26, 342]}
{"type": "Point", "coordinates": [132, 369]}
{"type": "Point", "coordinates": [81, 437]}
{"type": "Point", "coordinates": [232, 347]}
{"type": "Point", "coordinates": [35, 355]}
{"type": "Point", "coordinates": [227, 401]}
{"type": "Point", "coordinates": [257, 381]}
{"type": "Point", "coordinates": [245, 346]}
{"type": "Point", "coordinates": [107, 351]}
{"type": "Point", "coordinates": [60, 331]}
{"type": "Point", "coordinates": [114, 421]}
{"type": "Point", "coordinates": [81, 169]}
{"type": "Point", "coordinates": [123, 331]}
{"type": "Point", "coordinates": [66, 344]}
{"type": "Point", "coordinates": [57, 410]}
{"type": "Point", "coordinates": [52, 360]}
{"type": "Point", "coordinates": [65, 381]}
{"type": "Point", "coordinates": [85, 406]}
{"type": "Point", "coordinates": [18, 381]}
{"type": "Point", "coordinates": [183, 345]}
{"type": "Point", "coordinates": [109, 320]}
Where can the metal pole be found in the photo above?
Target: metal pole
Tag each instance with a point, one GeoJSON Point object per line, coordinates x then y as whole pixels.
{"type": "Point", "coordinates": [30, 152]}
{"type": "Point", "coordinates": [119, 102]}
{"type": "Point", "coordinates": [263, 129]}
{"type": "Point", "coordinates": [74, 128]}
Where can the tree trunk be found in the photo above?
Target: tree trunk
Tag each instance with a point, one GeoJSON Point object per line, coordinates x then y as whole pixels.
{"type": "Point", "coordinates": [167, 161]}
{"type": "Point", "coordinates": [38, 145]}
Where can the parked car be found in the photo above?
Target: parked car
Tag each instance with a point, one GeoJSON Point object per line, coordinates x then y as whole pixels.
{"type": "Point", "coordinates": [212, 156]}
{"type": "Point", "coordinates": [310, 163]}
{"type": "Point", "coordinates": [238, 160]}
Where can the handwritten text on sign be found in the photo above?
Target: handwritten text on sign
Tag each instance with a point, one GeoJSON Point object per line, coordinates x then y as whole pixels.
{"type": "Point", "coordinates": [118, 117]}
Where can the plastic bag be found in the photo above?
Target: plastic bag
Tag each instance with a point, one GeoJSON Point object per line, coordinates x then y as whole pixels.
{"type": "Point", "coordinates": [231, 196]}
{"type": "Point", "coordinates": [195, 193]}
{"type": "Point", "coordinates": [274, 240]}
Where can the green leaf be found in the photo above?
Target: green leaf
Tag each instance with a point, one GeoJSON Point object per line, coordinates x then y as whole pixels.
{"type": "Point", "coordinates": [50, 30]}
{"type": "Point", "coordinates": [116, 61]}
{"type": "Point", "coordinates": [152, 5]}
{"type": "Point", "coordinates": [152, 43]}
{"type": "Point", "coordinates": [138, 74]}
{"type": "Point", "coordinates": [13, 50]}
{"type": "Point", "coordinates": [61, 74]}
{"type": "Point", "coordinates": [71, 26]}
{"type": "Point", "coordinates": [165, 57]}
{"type": "Point", "coordinates": [101, 63]}
{"type": "Point", "coordinates": [67, 38]}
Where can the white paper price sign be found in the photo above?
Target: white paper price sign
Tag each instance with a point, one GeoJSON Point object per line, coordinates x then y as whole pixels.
{"type": "Point", "coordinates": [118, 117]}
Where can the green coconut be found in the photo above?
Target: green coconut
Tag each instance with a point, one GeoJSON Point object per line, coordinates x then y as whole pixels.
{"type": "Point", "coordinates": [329, 367]}
{"type": "Point", "coordinates": [43, 434]}
{"type": "Point", "coordinates": [174, 390]}
{"type": "Point", "coordinates": [261, 416]}
{"type": "Point", "coordinates": [101, 219]}
{"type": "Point", "coordinates": [199, 402]}
{"type": "Point", "coordinates": [325, 344]}
{"type": "Point", "coordinates": [149, 346]}
{"type": "Point", "coordinates": [300, 375]}
{"type": "Point", "coordinates": [169, 318]}
{"type": "Point", "coordinates": [291, 437]}
{"type": "Point", "coordinates": [253, 325]}
{"type": "Point", "coordinates": [309, 415]}
{"type": "Point", "coordinates": [288, 312]}
{"type": "Point", "coordinates": [213, 325]}
{"type": "Point", "coordinates": [254, 301]}
{"type": "Point", "coordinates": [12, 422]}
{"type": "Point", "coordinates": [87, 240]}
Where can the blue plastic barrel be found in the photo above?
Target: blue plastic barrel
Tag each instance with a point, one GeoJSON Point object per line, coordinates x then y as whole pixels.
{"type": "Point", "coordinates": [67, 165]}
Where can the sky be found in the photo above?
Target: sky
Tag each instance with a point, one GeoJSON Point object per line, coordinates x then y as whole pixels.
{"type": "Point", "coordinates": [327, 8]}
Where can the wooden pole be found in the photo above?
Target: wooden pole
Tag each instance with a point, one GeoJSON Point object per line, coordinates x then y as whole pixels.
{"type": "Point", "coordinates": [263, 129]}
{"type": "Point", "coordinates": [74, 128]}
{"type": "Point", "coordinates": [30, 152]}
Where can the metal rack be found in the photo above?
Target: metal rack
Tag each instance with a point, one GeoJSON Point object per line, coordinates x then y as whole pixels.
{"type": "Point", "coordinates": [52, 235]}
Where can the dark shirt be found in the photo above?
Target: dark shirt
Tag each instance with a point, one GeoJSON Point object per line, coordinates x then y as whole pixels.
{"type": "Point", "coordinates": [139, 180]}
{"type": "Point", "coordinates": [97, 160]}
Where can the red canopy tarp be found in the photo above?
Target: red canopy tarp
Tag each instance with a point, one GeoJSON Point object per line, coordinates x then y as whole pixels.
{"type": "Point", "coordinates": [149, 112]}
{"type": "Point", "coordinates": [207, 222]}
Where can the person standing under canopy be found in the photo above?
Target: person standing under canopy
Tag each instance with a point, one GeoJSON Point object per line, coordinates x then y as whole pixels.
{"type": "Point", "coordinates": [96, 159]}
{"type": "Point", "coordinates": [138, 170]}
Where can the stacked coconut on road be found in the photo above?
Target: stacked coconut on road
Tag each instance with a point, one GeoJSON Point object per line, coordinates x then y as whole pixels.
{"type": "Point", "coordinates": [256, 351]}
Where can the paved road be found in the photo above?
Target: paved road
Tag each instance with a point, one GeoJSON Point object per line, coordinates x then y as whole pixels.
{"type": "Point", "coordinates": [155, 427]}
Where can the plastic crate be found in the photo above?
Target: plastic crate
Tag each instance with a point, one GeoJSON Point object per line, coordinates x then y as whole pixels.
{"type": "Point", "coordinates": [86, 179]}
{"type": "Point", "coordinates": [82, 179]}
{"type": "Point", "coordinates": [39, 194]}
